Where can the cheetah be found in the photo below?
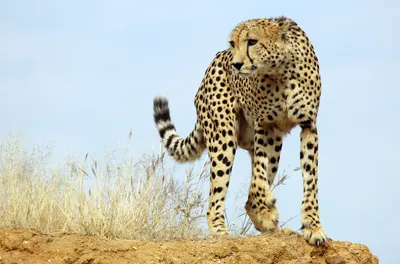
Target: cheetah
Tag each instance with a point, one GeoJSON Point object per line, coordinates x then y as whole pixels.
{"type": "Point", "coordinates": [252, 94]}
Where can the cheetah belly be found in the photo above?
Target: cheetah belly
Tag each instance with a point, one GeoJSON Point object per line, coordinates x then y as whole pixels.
{"type": "Point", "coordinates": [245, 130]}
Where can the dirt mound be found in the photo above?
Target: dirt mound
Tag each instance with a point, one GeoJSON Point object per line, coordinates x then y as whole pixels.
{"type": "Point", "coordinates": [28, 246]}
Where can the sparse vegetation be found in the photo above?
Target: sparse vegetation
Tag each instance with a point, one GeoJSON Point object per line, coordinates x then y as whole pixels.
{"type": "Point", "coordinates": [115, 197]}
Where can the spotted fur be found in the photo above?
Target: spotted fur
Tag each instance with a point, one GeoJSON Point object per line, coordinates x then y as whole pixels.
{"type": "Point", "coordinates": [251, 96]}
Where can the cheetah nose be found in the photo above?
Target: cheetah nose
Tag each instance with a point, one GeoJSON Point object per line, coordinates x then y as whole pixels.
{"type": "Point", "coordinates": [237, 65]}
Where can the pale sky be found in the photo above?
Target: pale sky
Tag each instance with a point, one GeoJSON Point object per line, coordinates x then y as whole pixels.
{"type": "Point", "coordinates": [84, 73]}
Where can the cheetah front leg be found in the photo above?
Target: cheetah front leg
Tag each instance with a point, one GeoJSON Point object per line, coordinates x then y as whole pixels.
{"type": "Point", "coordinates": [260, 205]}
{"type": "Point", "coordinates": [312, 229]}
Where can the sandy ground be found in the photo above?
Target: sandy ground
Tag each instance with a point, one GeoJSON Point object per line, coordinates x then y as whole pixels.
{"type": "Point", "coordinates": [29, 246]}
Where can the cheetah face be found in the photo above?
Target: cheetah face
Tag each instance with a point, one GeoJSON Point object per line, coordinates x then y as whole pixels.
{"type": "Point", "coordinates": [258, 46]}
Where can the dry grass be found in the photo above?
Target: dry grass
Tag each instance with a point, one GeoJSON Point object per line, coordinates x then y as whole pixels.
{"type": "Point", "coordinates": [115, 197]}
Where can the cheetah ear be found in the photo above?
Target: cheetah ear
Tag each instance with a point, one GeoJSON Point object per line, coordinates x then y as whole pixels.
{"type": "Point", "coordinates": [284, 27]}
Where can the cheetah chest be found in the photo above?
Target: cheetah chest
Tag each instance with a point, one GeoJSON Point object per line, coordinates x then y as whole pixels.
{"type": "Point", "coordinates": [262, 100]}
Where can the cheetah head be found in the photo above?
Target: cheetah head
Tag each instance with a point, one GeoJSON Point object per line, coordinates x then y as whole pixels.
{"type": "Point", "coordinates": [259, 45]}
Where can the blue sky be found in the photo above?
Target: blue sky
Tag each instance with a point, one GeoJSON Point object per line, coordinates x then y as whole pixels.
{"type": "Point", "coordinates": [84, 73]}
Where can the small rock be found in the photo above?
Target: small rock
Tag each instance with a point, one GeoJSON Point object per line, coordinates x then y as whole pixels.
{"type": "Point", "coordinates": [335, 260]}
{"type": "Point", "coordinates": [28, 246]}
{"type": "Point", "coordinates": [235, 249]}
{"type": "Point", "coordinates": [12, 242]}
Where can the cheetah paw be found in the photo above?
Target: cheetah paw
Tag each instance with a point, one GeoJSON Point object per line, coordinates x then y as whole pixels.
{"type": "Point", "coordinates": [266, 221]}
{"type": "Point", "coordinates": [219, 231]}
{"type": "Point", "coordinates": [315, 236]}
{"type": "Point", "coordinates": [265, 225]}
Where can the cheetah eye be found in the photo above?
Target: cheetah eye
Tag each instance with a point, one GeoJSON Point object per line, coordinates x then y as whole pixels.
{"type": "Point", "coordinates": [232, 44]}
{"type": "Point", "coordinates": [252, 42]}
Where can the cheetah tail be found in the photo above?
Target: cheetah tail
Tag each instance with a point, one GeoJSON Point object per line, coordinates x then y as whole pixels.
{"type": "Point", "coordinates": [181, 149]}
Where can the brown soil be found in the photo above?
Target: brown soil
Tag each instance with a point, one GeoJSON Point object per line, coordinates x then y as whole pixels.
{"type": "Point", "coordinates": [29, 246]}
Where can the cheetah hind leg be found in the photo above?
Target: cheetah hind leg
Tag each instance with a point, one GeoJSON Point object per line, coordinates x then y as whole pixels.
{"type": "Point", "coordinates": [220, 173]}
